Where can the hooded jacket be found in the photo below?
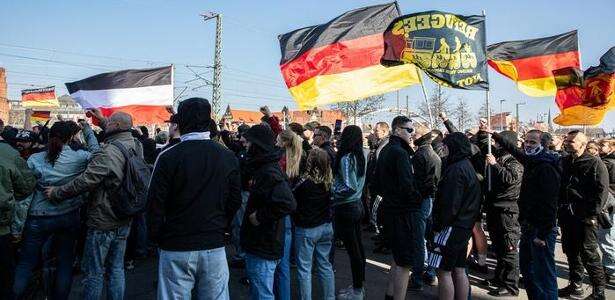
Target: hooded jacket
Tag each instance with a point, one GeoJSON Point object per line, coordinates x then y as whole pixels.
{"type": "Point", "coordinates": [540, 186]}
{"type": "Point", "coordinates": [270, 198]}
{"type": "Point", "coordinates": [427, 167]}
{"type": "Point", "coordinates": [459, 193]}
{"type": "Point", "coordinates": [394, 179]}
{"type": "Point", "coordinates": [585, 184]}
{"type": "Point", "coordinates": [506, 177]}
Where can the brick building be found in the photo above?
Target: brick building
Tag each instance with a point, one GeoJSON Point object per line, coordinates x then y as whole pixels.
{"type": "Point", "coordinates": [4, 101]}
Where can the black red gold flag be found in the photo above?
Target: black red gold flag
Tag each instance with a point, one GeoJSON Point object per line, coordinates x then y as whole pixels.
{"type": "Point", "coordinates": [450, 48]}
{"type": "Point", "coordinates": [340, 60]}
{"type": "Point", "coordinates": [40, 116]}
{"type": "Point", "coordinates": [588, 103]}
{"type": "Point", "coordinates": [40, 97]}
{"type": "Point", "coordinates": [531, 63]}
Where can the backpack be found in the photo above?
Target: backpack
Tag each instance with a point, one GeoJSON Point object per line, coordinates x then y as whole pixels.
{"type": "Point", "coordinates": [131, 197]}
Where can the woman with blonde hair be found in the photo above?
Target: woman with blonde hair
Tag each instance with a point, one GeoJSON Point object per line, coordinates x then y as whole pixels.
{"type": "Point", "coordinates": [313, 232]}
{"type": "Point", "coordinates": [292, 163]}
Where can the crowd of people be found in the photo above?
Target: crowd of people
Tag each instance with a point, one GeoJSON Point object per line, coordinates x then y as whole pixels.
{"type": "Point", "coordinates": [290, 194]}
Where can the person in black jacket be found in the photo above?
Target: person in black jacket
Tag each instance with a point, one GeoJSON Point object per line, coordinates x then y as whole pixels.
{"type": "Point", "coordinates": [427, 167]}
{"type": "Point", "coordinates": [540, 186]}
{"type": "Point", "coordinates": [585, 188]}
{"type": "Point", "coordinates": [455, 208]}
{"type": "Point", "coordinates": [401, 205]}
{"type": "Point", "coordinates": [193, 194]}
{"type": "Point", "coordinates": [322, 139]}
{"type": "Point", "coordinates": [606, 236]}
{"type": "Point", "coordinates": [270, 201]}
{"type": "Point", "coordinates": [503, 217]}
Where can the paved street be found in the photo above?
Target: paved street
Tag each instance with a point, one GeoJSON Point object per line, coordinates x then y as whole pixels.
{"type": "Point", "coordinates": [140, 281]}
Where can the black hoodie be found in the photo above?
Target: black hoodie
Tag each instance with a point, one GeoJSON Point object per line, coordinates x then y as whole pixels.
{"type": "Point", "coordinates": [458, 200]}
{"type": "Point", "coordinates": [270, 198]}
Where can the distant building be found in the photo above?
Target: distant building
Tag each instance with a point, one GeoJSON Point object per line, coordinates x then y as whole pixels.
{"type": "Point", "coordinates": [250, 117]}
{"type": "Point", "coordinates": [4, 101]}
{"type": "Point", "coordinates": [591, 132]}
{"type": "Point", "coordinates": [68, 110]}
{"type": "Point", "coordinates": [503, 121]}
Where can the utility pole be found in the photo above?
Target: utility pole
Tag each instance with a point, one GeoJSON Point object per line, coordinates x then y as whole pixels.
{"type": "Point", "coordinates": [216, 88]}
{"type": "Point", "coordinates": [407, 107]}
{"type": "Point", "coordinates": [517, 114]}
{"type": "Point", "coordinates": [398, 111]}
{"type": "Point", "coordinates": [502, 119]}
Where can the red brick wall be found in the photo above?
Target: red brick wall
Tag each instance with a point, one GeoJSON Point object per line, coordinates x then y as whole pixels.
{"type": "Point", "coordinates": [4, 104]}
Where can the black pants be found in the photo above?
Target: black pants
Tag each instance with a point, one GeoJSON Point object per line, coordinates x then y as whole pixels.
{"type": "Point", "coordinates": [348, 228]}
{"type": "Point", "coordinates": [580, 243]}
{"type": "Point", "coordinates": [504, 231]}
{"type": "Point", "coordinates": [7, 266]}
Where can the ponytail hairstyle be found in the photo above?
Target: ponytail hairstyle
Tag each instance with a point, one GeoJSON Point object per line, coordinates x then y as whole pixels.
{"type": "Point", "coordinates": [351, 142]}
{"type": "Point", "coordinates": [59, 135]}
{"type": "Point", "coordinates": [292, 144]}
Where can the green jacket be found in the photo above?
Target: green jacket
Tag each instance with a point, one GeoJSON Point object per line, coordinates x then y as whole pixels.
{"type": "Point", "coordinates": [16, 183]}
{"type": "Point", "coordinates": [102, 177]}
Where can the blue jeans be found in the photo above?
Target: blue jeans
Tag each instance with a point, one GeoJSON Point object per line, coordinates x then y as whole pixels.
{"type": "Point", "coordinates": [537, 265]}
{"type": "Point", "coordinates": [420, 219]}
{"type": "Point", "coordinates": [426, 207]}
{"type": "Point", "coordinates": [314, 244]}
{"type": "Point", "coordinates": [104, 253]}
{"type": "Point", "coordinates": [205, 271]}
{"type": "Point", "coordinates": [282, 272]}
{"type": "Point", "coordinates": [38, 230]}
{"type": "Point", "coordinates": [260, 272]}
{"type": "Point", "coordinates": [606, 241]}
{"type": "Point", "coordinates": [236, 226]}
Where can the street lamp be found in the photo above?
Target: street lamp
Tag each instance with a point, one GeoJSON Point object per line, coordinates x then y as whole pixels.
{"type": "Point", "coordinates": [517, 111]}
{"type": "Point", "coordinates": [501, 115]}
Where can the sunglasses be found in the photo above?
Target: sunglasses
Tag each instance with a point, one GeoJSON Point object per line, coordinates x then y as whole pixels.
{"type": "Point", "coordinates": [409, 130]}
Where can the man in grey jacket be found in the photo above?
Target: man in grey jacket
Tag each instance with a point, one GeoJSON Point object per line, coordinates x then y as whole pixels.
{"type": "Point", "coordinates": [106, 237]}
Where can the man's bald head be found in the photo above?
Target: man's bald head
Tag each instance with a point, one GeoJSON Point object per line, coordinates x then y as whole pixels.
{"type": "Point", "coordinates": [119, 121]}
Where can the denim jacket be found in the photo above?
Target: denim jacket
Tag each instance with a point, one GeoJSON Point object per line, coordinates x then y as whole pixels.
{"type": "Point", "coordinates": [69, 164]}
{"type": "Point", "coordinates": [347, 186]}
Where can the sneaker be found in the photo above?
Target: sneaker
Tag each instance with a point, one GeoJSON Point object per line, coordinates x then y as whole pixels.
{"type": "Point", "coordinates": [503, 292]}
{"type": "Point", "coordinates": [429, 279]}
{"type": "Point", "coordinates": [345, 290]}
{"type": "Point", "coordinates": [352, 294]}
{"type": "Point", "coordinates": [596, 295]}
{"type": "Point", "coordinates": [493, 282]}
{"type": "Point", "coordinates": [573, 289]}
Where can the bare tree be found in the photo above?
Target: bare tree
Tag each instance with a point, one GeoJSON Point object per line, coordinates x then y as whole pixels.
{"type": "Point", "coordinates": [354, 110]}
{"type": "Point", "coordinates": [482, 111]}
{"type": "Point", "coordinates": [462, 114]}
{"type": "Point", "coordinates": [438, 102]}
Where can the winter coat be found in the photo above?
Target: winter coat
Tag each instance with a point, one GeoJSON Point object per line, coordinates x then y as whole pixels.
{"type": "Point", "coordinates": [585, 185]}
{"type": "Point", "coordinates": [506, 176]}
{"type": "Point", "coordinates": [16, 183]}
{"type": "Point", "coordinates": [427, 167]}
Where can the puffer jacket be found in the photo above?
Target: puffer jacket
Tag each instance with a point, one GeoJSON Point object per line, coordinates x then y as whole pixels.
{"type": "Point", "coordinates": [16, 183]}
{"type": "Point", "coordinates": [459, 193]}
{"type": "Point", "coordinates": [102, 177]}
{"type": "Point", "coordinates": [271, 199]}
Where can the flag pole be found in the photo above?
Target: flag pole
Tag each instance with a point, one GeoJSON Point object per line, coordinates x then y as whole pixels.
{"type": "Point", "coordinates": [431, 123]}
{"type": "Point", "coordinates": [487, 103]}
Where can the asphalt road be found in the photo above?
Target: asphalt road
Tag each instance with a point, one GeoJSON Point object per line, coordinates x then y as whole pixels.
{"type": "Point", "coordinates": [140, 282]}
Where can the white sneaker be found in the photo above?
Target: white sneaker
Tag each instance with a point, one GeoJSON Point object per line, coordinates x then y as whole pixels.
{"type": "Point", "coordinates": [353, 294]}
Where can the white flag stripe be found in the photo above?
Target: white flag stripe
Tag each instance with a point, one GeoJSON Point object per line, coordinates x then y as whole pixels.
{"type": "Point", "coordinates": [157, 95]}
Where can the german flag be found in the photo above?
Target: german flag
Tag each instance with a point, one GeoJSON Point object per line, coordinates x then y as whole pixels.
{"type": "Point", "coordinates": [40, 116]}
{"type": "Point", "coordinates": [43, 97]}
{"type": "Point", "coordinates": [340, 60]}
{"type": "Point", "coordinates": [531, 63]}
{"type": "Point", "coordinates": [589, 102]}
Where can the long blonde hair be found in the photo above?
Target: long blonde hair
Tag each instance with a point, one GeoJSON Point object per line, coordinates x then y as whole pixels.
{"type": "Point", "coordinates": [318, 168]}
{"type": "Point", "coordinates": [292, 146]}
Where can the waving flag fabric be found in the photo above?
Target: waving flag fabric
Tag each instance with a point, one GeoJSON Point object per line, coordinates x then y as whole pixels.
{"type": "Point", "coordinates": [143, 93]}
{"type": "Point", "coordinates": [42, 97]}
{"type": "Point", "coordinates": [340, 60]}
